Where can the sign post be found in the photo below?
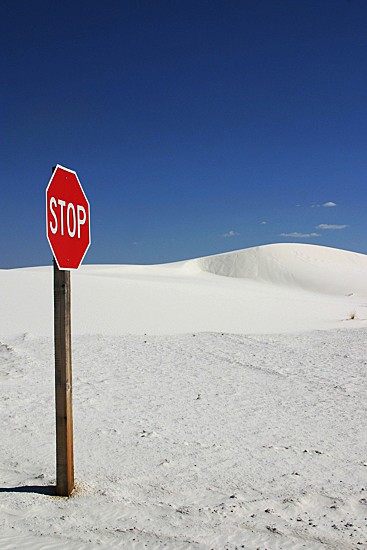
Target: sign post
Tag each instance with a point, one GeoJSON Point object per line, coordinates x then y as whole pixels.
{"type": "Point", "coordinates": [68, 233]}
{"type": "Point", "coordinates": [63, 383]}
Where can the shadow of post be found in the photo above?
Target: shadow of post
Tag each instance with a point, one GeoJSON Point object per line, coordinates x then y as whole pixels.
{"type": "Point", "coordinates": [38, 489]}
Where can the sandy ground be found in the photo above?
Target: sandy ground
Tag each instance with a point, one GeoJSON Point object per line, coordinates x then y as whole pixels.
{"type": "Point", "coordinates": [209, 439]}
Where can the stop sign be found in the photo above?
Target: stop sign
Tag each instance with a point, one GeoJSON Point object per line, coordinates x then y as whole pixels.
{"type": "Point", "coordinates": [67, 218]}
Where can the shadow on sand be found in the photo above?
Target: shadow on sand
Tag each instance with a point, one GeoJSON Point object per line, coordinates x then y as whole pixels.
{"type": "Point", "coordinates": [38, 489]}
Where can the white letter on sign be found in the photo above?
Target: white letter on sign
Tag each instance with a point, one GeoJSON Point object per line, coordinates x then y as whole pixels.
{"type": "Point", "coordinates": [81, 220]}
{"type": "Point", "coordinates": [71, 207]}
{"type": "Point", "coordinates": [62, 204]}
{"type": "Point", "coordinates": [53, 202]}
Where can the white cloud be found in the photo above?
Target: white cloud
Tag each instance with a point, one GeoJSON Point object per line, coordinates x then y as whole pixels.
{"type": "Point", "coordinates": [329, 226]}
{"type": "Point", "coordinates": [263, 223]}
{"type": "Point", "coordinates": [328, 204]}
{"type": "Point", "coordinates": [297, 235]}
{"type": "Point", "coordinates": [230, 233]}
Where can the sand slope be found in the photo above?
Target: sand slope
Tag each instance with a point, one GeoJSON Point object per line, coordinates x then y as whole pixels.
{"type": "Point", "coordinates": [314, 268]}
{"type": "Point", "coordinates": [274, 288]}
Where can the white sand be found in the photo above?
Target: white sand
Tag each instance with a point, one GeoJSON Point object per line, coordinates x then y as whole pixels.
{"type": "Point", "coordinates": [237, 421]}
{"type": "Point", "coordinates": [274, 288]}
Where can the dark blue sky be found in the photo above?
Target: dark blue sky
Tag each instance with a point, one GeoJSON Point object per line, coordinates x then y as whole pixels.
{"type": "Point", "coordinates": [190, 124]}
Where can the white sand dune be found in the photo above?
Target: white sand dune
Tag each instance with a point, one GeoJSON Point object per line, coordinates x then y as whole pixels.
{"type": "Point", "coordinates": [313, 268]}
{"type": "Point", "coordinates": [274, 288]}
{"type": "Point", "coordinates": [248, 431]}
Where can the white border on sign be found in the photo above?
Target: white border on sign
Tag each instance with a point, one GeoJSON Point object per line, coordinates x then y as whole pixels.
{"type": "Point", "coordinates": [90, 235]}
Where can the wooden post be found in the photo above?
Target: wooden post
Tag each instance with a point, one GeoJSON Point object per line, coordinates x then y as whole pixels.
{"type": "Point", "coordinates": [63, 383]}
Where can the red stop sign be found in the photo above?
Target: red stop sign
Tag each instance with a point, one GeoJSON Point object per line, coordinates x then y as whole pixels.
{"type": "Point", "coordinates": [67, 218]}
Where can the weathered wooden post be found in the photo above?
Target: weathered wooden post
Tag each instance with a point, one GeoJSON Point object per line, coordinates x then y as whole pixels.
{"type": "Point", "coordinates": [63, 382]}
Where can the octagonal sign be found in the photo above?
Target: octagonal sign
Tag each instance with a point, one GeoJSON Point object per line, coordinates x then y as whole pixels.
{"type": "Point", "coordinates": [67, 218]}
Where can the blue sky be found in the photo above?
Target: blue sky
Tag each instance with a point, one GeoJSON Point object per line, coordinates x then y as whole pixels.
{"type": "Point", "coordinates": [195, 127]}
